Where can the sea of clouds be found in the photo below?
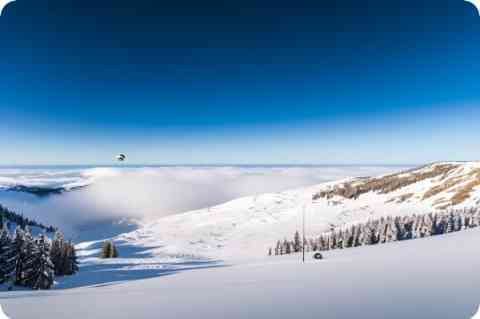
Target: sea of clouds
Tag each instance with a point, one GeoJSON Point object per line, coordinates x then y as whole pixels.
{"type": "Point", "coordinates": [114, 194]}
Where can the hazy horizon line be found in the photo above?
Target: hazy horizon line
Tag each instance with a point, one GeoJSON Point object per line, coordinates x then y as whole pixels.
{"type": "Point", "coordinates": [118, 165]}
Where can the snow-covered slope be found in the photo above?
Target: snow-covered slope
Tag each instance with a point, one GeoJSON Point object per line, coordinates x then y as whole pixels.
{"type": "Point", "coordinates": [247, 226]}
{"type": "Point", "coordinates": [431, 278]}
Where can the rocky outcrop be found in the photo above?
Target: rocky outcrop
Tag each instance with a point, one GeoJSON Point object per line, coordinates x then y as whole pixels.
{"type": "Point", "coordinates": [386, 184]}
{"type": "Point", "coordinates": [444, 185]}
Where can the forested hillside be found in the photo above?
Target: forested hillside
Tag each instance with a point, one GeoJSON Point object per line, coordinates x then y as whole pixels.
{"type": "Point", "coordinates": [9, 217]}
{"type": "Point", "coordinates": [382, 230]}
{"type": "Point", "coordinates": [30, 261]}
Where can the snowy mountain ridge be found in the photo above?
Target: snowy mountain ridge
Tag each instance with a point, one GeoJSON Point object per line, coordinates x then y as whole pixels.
{"type": "Point", "coordinates": [247, 227]}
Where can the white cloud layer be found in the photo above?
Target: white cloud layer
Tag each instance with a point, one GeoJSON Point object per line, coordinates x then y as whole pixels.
{"type": "Point", "coordinates": [150, 193]}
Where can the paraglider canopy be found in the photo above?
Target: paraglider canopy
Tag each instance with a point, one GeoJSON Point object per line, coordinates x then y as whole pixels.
{"type": "Point", "coordinates": [121, 157]}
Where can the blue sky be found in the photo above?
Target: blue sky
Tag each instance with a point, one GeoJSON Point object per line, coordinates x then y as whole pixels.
{"type": "Point", "coordinates": [319, 82]}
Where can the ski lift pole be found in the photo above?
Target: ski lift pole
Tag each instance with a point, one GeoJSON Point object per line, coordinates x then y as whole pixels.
{"type": "Point", "coordinates": [303, 234]}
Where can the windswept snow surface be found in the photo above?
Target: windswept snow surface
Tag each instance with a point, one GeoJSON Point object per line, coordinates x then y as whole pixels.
{"type": "Point", "coordinates": [431, 278]}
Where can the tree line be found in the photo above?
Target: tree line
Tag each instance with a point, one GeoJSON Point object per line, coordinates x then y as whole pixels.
{"type": "Point", "coordinates": [382, 230]}
{"type": "Point", "coordinates": [8, 216]}
{"type": "Point", "coordinates": [34, 262]}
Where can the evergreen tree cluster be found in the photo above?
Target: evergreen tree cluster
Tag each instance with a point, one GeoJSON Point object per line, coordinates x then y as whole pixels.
{"type": "Point", "coordinates": [63, 256]}
{"type": "Point", "coordinates": [383, 230]}
{"type": "Point", "coordinates": [109, 250]}
{"type": "Point", "coordinates": [34, 262]}
{"type": "Point", "coordinates": [8, 216]}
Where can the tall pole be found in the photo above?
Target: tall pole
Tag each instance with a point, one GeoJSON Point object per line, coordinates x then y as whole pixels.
{"type": "Point", "coordinates": [303, 234]}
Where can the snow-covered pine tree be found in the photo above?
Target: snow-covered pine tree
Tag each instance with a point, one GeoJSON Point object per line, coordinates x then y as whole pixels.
{"type": "Point", "coordinates": [383, 231]}
{"type": "Point", "coordinates": [474, 219]}
{"type": "Point", "coordinates": [277, 248]}
{"type": "Point", "coordinates": [27, 263]}
{"type": "Point", "coordinates": [333, 240]}
{"type": "Point", "coordinates": [392, 230]}
{"type": "Point", "coordinates": [4, 244]}
{"type": "Point", "coordinates": [19, 244]}
{"type": "Point", "coordinates": [287, 247]}
{"type": "Point", "coordinates": [57, 253]}
{"type": "Point", "coordinates": [109, 250]}
{"type": "Point", "coordinates": [323, 242]}
{"type": "Point", "coordinates": [297, 244]}
{"type": "Point", "coordinates": [355, 235]}
{"type": "Point", "coordinates": [370, 238]}
{"type": "Point", "coordinates": [340, 239]}
{"type": "Point", "coordinates": [457, 222]}
{"type": "Point", "coordinates": [349, 237]}
{"type": "Point", "coordinates": [400, 226]}
{"type": "Point", "coordinates": [360, 235]}
{"type": "Point", "coordinates": [114, 251]}
{"type": "Point", "coordinates": [44, 275]}
{"type": "Point", "coordinates": [450, 223]}
{"type": "Point", "coordinates": [106, 249]}
{"type": "Point", "coordinates": [416, 227]}
{"type": "Point", "coordinates": [8, 257]}
{"type": "Point", "coordinates": [72, 259]}
{"type": "Point", "coordinates": [463, 220]}
{"type": "Point", "coordinates": [63, 256]}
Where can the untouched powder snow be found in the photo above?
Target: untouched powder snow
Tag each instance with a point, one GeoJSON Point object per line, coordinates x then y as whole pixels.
{"type": "Point", "coordinates": [431, 278]}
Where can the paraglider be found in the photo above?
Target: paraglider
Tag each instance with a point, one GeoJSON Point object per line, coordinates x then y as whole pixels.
{"type": "Point", "coordinates": [121, 157]}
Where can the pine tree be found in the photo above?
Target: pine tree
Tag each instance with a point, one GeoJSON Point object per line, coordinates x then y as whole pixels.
{"type": "Point", "coordinates": [4, 244]}
{"type": "Point", "coordinates": [28, 253]}
{"type": "Point", "coordinates": [71, 257]}
{"type": "Point", "coordinates": [287, 247]}
{"type": "Point", "coordinates": [106, 249]}
{"type": "Point", "coordinates": [19, 242]}
{"type": "Point", "coordinates": [57, 253]}
{"type": "Point", "coordinates": [114, 251]}
{"type": "Point", "coordinates": [8, 257]}
{"type": "Point", "coordinates": [277, 248]}
{"type": "Point", "coordinates": [109, 250]}
{"type": "Point", "coordinates": [63, 256]}
{"type": "Point", "coordinates": [297, 246]}
{"type": "Point", "coordinates": [450, 223]}
{"type": "Point", "coordinates": [44, 270]}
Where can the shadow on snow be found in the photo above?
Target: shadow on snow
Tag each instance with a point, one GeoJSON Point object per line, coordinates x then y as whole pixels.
{"type": "Point", "coordinates": [135, 263]}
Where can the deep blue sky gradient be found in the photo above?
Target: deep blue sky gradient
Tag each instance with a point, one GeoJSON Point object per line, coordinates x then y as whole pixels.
{"type": "Point", "coordinates": [238, 82]}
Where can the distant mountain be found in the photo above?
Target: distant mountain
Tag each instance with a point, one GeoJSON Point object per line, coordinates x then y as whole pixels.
{"type": "Point", "coordinates": [247, 226]}
{"type": "Point", "coordinates": [41, 191]}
